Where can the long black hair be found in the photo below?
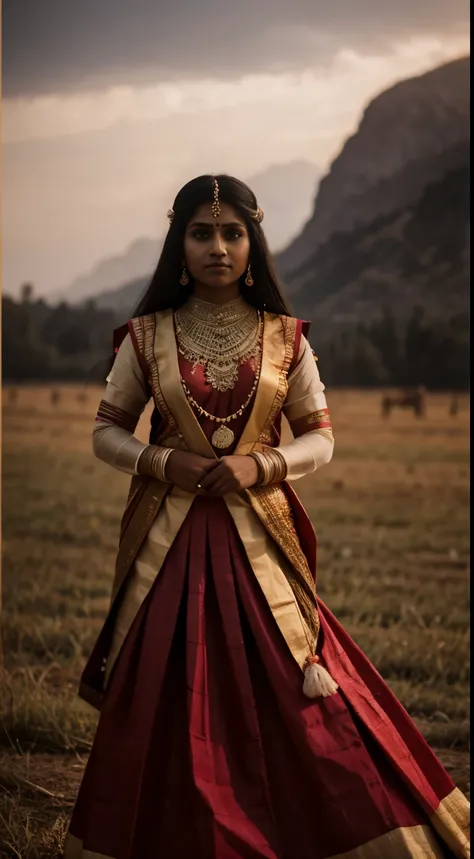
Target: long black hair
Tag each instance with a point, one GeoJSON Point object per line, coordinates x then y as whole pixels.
{"type": "Point", "coordinates": [165, 290]}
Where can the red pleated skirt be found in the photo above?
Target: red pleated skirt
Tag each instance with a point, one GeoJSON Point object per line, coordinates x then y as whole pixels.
{"type": "Point", "coordinates": [207, 748]}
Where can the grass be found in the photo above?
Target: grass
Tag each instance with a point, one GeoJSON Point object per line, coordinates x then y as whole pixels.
{"type": "Point", "coordinates": [392, 517]}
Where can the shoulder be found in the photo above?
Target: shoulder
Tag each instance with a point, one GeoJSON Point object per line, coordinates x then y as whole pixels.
{"type": "Point", "coordinates": [149, 319]}
{"type": "Point", "coordinates": [142, 328]}
{"type": "Point", "coordinates": [295, 332]}
{"type": "Point", "coordinates": [289, 323]}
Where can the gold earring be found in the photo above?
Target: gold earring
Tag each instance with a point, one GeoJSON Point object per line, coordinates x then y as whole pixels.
{"type": "Point", "coordinates": [184, 279]}
{"type": "Point", "coordinates": [249, 279]}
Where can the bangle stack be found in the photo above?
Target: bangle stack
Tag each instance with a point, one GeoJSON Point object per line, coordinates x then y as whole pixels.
{"type": "Point", "coordinates": [152, 461]}
{"type": "Point", "coordinates": [271, 466]}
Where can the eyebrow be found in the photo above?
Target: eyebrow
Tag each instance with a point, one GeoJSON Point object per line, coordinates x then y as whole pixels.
{"type": "Point", "coordinates": [209, 225]}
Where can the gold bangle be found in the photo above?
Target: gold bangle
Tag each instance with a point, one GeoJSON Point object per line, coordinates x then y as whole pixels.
{"type": "Point", "coordinates": [271, 465]}
{"type": "Point", "coordinates": [260, 472]}
{"type": "Point", "coordinates": [152, 462]}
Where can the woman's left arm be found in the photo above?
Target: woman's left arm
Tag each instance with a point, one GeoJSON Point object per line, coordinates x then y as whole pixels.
{"type": "Point", "coordinates": [306, 409]}
{"type": "Point", "coordinates": [307, 413]}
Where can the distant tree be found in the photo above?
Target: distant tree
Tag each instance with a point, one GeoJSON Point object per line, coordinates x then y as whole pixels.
{"type": "Point", "coordinates": [26, 293]}
{"type": "Point", "coordinates": [384, 335]}
{"type": "Point", "coordinates": [40, 342]}
{"type": "Point", "coordinates": [73, 340]}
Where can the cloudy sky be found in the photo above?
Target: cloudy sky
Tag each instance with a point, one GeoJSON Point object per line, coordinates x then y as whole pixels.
{"type": "Point", "coordinates": [109, 106]}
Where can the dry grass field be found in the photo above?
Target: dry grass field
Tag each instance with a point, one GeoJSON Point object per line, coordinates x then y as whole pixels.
{"type": "Point", "coordinates": [391, 512]}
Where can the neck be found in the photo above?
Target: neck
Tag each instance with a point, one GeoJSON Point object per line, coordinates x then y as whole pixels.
{"type": "Point", "coordinates": [222, 295]}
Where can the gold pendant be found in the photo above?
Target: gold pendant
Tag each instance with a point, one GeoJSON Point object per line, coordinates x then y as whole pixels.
{"type": "Point", "coordinates": [222, 437]}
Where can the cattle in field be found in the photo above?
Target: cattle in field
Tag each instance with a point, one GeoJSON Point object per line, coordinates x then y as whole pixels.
{"type": "Point", "coordinates": [55, 397]}
{"type": "Point", "coordinates": [409, 398]}
{"type": "Point", "coordinates": [454, 406]}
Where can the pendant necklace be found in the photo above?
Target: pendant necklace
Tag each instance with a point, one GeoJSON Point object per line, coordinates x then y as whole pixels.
{"type": "Point", "coordinates": [223, 437]}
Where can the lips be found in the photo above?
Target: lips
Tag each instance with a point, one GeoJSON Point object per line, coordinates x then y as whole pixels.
{"type": "Point", "coordinates": [218, 265]}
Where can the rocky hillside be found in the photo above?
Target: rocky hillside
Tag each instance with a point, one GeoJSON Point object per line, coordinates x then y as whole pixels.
{"type": "Point", "coordinates": [390, 222]}
{"type": "Point", "coordinates": [416, 255]}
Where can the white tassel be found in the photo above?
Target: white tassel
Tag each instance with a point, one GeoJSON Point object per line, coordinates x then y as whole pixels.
{"type": "Point", "coordinates": [318, 683]}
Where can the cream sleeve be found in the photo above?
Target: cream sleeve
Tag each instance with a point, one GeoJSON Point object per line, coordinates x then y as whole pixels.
{"type": "Point", "coordinates": [306, 405]}
{"type": "Point", "coordinates": [123, 401]}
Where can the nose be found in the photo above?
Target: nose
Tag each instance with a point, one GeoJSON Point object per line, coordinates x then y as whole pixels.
{"type": "Point", "coordinates": [218, 249]}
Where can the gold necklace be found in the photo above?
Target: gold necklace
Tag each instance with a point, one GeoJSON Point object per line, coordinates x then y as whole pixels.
{"type": "Point", "coordinates": [223, 436]}
{"type": "Point", "coordinates": [218, 337]}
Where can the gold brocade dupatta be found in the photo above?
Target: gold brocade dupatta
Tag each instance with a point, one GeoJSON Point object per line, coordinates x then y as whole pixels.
{"type": "Point", "coordinates": [270, 503]}
{"type": "Point", "coordinates": [157, 342]}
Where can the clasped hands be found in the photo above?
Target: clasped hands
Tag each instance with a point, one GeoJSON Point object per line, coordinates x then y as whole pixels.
{"type": "Point", "coordinates": [213, 477]}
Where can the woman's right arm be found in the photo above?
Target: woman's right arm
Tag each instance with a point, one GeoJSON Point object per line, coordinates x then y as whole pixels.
{"type": "Point", "coordinates": [125, 397]}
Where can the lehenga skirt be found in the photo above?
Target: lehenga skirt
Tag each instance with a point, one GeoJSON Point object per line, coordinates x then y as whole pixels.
{"type": "Point", "coordinates": [207, 748]}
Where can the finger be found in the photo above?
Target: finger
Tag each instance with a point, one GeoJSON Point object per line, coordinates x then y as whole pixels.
{"type": "Point", "coordinates": [212, 488]}
{"type": "Point", "coordinates": [210, 464]}
{"type": "Point", "coordinates": [222, 487]}
{"type": "Point", "coordinates": [210, 478]}
{"type": "Point", "coordinates": [205, 472]}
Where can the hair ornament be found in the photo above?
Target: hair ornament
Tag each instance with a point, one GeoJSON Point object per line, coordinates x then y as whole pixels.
{"type": "Point", "coordinates": [258, 215]}
{"type": "Point", "coordinates": [216, 209]}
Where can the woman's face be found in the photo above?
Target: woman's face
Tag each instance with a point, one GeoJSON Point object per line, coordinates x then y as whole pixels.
{"type": "Point", "coordinates": [216, 250]}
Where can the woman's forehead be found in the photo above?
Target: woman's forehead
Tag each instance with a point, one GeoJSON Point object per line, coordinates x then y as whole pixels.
{"type": "Point", "coordinates": [228, 214]}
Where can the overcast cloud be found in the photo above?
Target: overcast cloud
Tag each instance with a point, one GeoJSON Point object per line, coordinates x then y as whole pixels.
{"type": "Point", "coordinates": [111, 105]}
{"type": "Point", "coordinates": [57, 45]}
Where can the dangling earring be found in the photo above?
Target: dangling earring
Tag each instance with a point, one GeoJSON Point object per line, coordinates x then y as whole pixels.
{"type": "Point", "coordinates": [249, 279]}
{"type": "Point", "coordinates": [184, 279]}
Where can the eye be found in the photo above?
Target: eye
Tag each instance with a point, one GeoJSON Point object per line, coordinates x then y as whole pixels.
{"type": "Point", "coordinates": [200, 234]}
{"type": "Point", "coordinates": [233, 235]}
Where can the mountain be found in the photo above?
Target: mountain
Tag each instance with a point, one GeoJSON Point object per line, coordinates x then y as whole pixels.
{"type": "Point", "coordinates": [417, 255]}
{"type": "Point", "coordinates": [285, 192]}
{"type": "Point", "coordinates": [123, 299]}
{"type": "Point", "coordinates": [137, 260]}
{"type": "Point", "coordinates": [391, 218]}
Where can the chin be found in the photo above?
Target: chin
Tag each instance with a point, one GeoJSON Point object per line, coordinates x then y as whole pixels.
{"type": "Point", "coordinates": [218, 279]}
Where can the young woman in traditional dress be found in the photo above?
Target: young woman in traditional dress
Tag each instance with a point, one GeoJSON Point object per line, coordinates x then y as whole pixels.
{"type": "Point", "coordinates": [238, 720]}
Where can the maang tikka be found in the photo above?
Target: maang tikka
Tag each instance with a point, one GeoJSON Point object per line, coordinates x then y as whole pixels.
{"type": "Point", "coordinates": [216, 208]}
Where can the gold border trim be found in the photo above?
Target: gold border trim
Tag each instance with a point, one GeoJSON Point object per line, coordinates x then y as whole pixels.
{"type": "Point", "coordinates": [163, 359]}
{"type": "Point", "coordinates": [273, 509]}
{"type": "Point", "coordinates": [269, 386]}
{"type": "Point", "coordinates": [406, 842]}
{"type": "Point", "coordinates": [452, 822]}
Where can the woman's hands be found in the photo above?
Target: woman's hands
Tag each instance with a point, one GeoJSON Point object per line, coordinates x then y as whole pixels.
{"type": "Point", "coordinates": [215, 477]}
{"type": "Point", "coordinates": [187, 470]}
{"type": "Point", "coordinates": [230, 474]}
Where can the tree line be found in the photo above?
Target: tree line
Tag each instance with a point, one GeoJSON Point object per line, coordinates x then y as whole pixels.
{"type": "Point", "coordinates": [42, 343]}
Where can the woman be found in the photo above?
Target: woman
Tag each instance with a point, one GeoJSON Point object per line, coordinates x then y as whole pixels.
{"type": "Point", "coordinates": [238, 719]}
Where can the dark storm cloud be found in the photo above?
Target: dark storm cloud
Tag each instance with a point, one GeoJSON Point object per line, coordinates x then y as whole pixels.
{"type": "Point", "coordinates": [57, 45]}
